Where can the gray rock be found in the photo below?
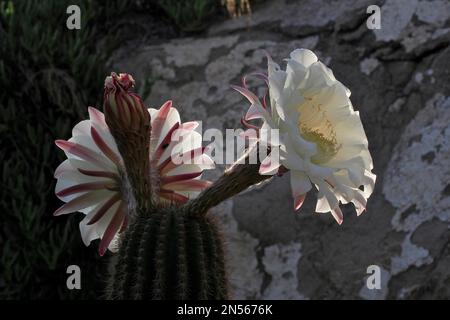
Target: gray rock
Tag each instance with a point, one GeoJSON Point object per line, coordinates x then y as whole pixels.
{"type": "Point", "coordinates": [274, 252]}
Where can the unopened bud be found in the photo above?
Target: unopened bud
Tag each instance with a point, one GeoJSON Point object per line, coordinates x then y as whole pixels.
{"type": "Point", "coordinates": [123, 108]}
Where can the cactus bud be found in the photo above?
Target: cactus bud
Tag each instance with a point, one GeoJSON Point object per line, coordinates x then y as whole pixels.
{"type": "Point", "coordinates": [129, 122]}
{"type": "Point", "coordinates": [121, 106]}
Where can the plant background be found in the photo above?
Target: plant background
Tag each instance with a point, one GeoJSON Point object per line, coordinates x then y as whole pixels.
{"type": "Point", "coordinates": [190, 51]}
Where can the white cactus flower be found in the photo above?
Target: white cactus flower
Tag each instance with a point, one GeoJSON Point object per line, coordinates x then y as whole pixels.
{"type": "Point", "coordinates": [91, 180]}
{"type": "Point", "coordinates": [321, 138]}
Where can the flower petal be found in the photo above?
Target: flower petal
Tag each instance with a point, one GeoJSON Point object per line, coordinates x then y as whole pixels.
{"type": "Point", "coordinates": [97, 117]}
{"type": "Point", "coordinates": [337, 215]}
{"type": "Point", "coordinates": [269, 166]}
{"type": "Point", "coordinates": [86, 200]}
{"type": "Point", "coordinates": [84, 187]}
{"type": "Point", "coordinates": [298, 201]}
{"type": "Point", "coordinates": [103, 146]}
{"type": "Point", "coordinates": [304, 56]}
{"type": "Point", "coordinates": [71, 148]}
{"type": "Point", "coordinates": [300, 184]}
{"type": "Point", "coordinates": [104, 208]}
{"type": "Point", "coordinates": [112, 228]}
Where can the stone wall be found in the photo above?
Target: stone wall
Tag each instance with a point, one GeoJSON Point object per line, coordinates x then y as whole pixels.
{"type": "Point", "coordinates": [399, 78]}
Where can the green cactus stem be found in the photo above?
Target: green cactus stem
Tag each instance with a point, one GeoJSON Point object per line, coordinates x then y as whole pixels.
{"type": "Point", "coordinates": [167, 254]}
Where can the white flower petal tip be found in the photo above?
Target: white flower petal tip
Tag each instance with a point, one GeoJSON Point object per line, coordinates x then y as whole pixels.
{"type": "Point", "coordinates": [321, 138]}
{"type": "Point", "coordinates": [253, 113]}
{"type": "Point", "coordinates": [337, 215]}
{"type": "Point", "coordinates": [298, 201]}
{"type": "Point", "coordinates": [304, 56]}
{"type": "Point", "coordinates": [90, 180]}
{"type": "Point", "coordinates": [269, 166]}
{"type": "Point", "coordinates": [166, 105]}
{"type": "Point", "coordinates": [360, 211]}
{"type": "Point", "coordinates": [189, 126]}
{"type": "Point", "coordinates": [96, 116]}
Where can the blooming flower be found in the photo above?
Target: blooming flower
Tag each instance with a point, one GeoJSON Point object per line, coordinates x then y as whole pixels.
{"type": "Point", "coordinates": [92, 180]}
{"type": "Point", "coordinates": [321, 137]}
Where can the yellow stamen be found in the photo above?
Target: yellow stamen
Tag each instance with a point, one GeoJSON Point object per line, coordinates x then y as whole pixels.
{"type": "Point", "coordinates": [315, 127]}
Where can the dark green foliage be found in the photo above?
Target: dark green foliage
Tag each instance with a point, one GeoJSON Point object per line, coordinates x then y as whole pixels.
{"type": "Point", "coordinates": [48, 77]}
{"type": "Point", "coordinates": [167, 255]}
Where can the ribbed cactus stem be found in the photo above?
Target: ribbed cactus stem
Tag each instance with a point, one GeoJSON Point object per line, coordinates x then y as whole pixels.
{"type": "Point", "coordinates": [182, 266]}
{"type": "Point", "coordinates": [168, 254]}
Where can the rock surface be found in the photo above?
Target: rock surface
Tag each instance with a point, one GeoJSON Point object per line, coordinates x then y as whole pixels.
{"type": "Point", "coordinates": [399, 78]}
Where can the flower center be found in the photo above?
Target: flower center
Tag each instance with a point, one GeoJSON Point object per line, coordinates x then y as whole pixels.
{"type": "Point", "coordinates": [315, 127]}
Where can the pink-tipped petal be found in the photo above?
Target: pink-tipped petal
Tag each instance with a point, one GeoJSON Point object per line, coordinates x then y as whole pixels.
{"type": "Point", "coordinates": [103, 146]}
{"type": "Point", "coordinates": [337, 215]}
{"type": "Point", "coordinates": [81, 202]}
{"type": "Point", "coordinates": [269, 167]}
{"type": "Point", "coordinates": [62, 168]}
{"type": "Point", "coordinates": [104, 208]}
{"type": "Point", "coordinates": [81, 152]}
{"type": "Point", "coordinates": [83, 187]}
{"type": "Point", "coordinates": [253, 112]}
{"type": "Point", "coordinates": [103, 174]}
{"type": "Point", "coordinates": [360, 200]}
{"type": "Point", "coordinates": [166, 107]}
{"type": "Point", "coordinates": [359, 210]}
{"type": "Point", "coordinates": [189, 126]}
{"type": "Point", "coordinates": [298, 201]}
{"type": "Point", "coordinates": [159, 120]}
{"type": "Point", "coordinates": [300, 184]}
{"type": "Point", "coordinates": [112, 229]}
{"type": "Point", "coordinates": [97, 117]}
{"type": "Point", "coordinates": [246, 93]}
{"type": "Point", "coordinates": [164, 143]}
